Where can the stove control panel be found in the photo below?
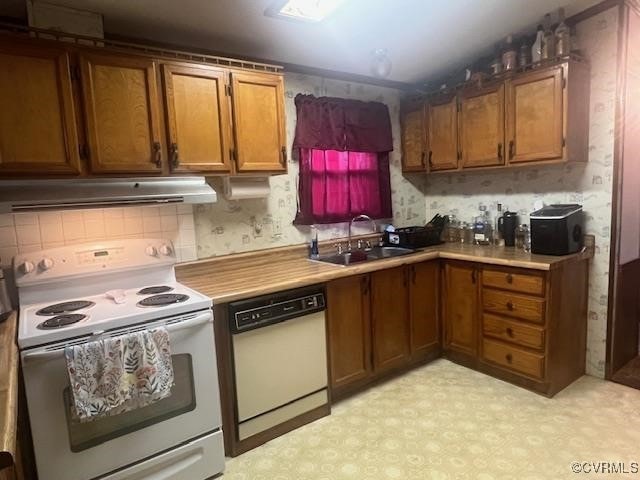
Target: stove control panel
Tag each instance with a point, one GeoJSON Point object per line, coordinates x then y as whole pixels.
{"type": "Point", "coordinates": [91, 258]}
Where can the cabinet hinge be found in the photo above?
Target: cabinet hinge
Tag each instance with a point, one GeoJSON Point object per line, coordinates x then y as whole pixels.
{"type": "Point", "coordinates": [228, 89]}
{"type": "Point", "coordinates": [232, 154]}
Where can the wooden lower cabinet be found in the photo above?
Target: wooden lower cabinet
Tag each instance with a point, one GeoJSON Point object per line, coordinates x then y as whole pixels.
{"type": "Point", "coordinates": [381, 323]}
{"type": "Point", "coordinates": [390, 319]}
{"type": "Point", "coordinates": [527, 327]}
{"type": "Point", "coordinates": [349, 331]}
{"type": "Point", "coordinates": [524, 326]}
{"type": "Point", "coordinates": [424, 309]}
{"type": "Point", "coordinates": [460, 309]}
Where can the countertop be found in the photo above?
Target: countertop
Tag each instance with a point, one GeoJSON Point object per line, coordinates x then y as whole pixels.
{"type": "Point", "coordinates": [8, 390]}
{"type": "Point", "coordinates": [245, 275]}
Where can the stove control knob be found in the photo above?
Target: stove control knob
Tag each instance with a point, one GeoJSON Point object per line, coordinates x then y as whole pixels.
{"type": "Point", "coordinates": [152, 251]}
{"type": "Point", "coordinates": [27, 267]}
{"type": "Point", "coordinates": [45, 263]}
{"type": "Point", "coordinates": [166, 250]}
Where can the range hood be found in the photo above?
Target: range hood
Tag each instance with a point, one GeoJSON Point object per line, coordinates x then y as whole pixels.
{"type": "Point", "coordinates": [43, 195]}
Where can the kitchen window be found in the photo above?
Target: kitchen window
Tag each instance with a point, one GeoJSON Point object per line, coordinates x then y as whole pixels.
{"type": "Point", "coordinates": [343, 147]}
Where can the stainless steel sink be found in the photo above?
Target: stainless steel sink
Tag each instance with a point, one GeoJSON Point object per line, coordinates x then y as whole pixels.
{"type": "Point", "coordinates": [359, 256]}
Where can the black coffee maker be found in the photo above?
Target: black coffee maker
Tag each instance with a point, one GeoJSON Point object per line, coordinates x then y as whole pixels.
{"type": "Point", "coordinates": [507, 225]}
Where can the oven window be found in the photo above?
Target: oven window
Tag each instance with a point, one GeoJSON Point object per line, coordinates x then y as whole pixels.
{"type": "Point", "coordinates": [182, 399]}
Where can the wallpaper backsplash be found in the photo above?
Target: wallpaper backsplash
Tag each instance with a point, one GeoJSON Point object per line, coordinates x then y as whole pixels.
{"type": "Point", "coordinates": [228, 227]}
{"type": "Point", "coordinates": [589, 184]}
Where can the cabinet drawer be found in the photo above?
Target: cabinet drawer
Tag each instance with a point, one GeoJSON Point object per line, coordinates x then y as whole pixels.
{"type": "Point", "coordinates": [512, 331]}
{"type": "Point", "coordinates": [512, 305]}
{"type": "Point", "coordinates": [532, 284]}
{"type": "Point", "coordinates": [531, 364]}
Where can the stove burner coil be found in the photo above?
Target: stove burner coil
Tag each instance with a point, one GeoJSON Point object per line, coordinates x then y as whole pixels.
{"type": "Point", "coordinates": [60, 321]}
{"type": "Point", "coordinates": [163, 299]}
{"type": "Point", "coordinates": [65, 307]}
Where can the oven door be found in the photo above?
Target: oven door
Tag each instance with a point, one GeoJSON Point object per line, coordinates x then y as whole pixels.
{"type": "Point", "coordinates": [67, 449]}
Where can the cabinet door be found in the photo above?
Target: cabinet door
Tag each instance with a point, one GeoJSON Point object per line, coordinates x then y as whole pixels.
{"type": "Point", "coordinates": [443, 136]}
{"type": "Point", "coordinates": [390, 319]}
{"type": "Point", "coordinates": [482, 127]}
{"type": "Point", "coordinates": [122, 113]}
{"type": "Point", "coordinates": [258, 114]}
{"type": "Point", "coordinates": [424, 294]}
{"type": "Point", "coordinates": [349, 330]}
{"type": "Point", "coordinates": [535, 116]}
{"type": "Point", "coordinates": [413, 139]}
{"type": "Point", "coordinates": [38, 133]}
{"type": "Point", "coordinates": [461, 308]}
{"type": "Point", "coordinates": [198, 119]}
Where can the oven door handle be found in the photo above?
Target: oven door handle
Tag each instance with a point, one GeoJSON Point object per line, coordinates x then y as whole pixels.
{"type": "Point", "coordinates": [43, 355]}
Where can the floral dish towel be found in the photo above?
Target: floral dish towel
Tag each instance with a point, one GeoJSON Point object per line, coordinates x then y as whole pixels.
{"type": "Point", "coordinates": [119, 374]}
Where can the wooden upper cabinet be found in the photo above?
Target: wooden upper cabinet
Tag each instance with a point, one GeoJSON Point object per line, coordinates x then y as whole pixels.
{"type": "Point", "coordinates": [535, 116]}
{"type": "Point", "coordinates": [38, 133]}
{"type": "Point", "coordinates": [122, 113]}
{"type": "Point", "coordinates": [443, 135]}
{"type": "Point", "coordinates": [414, 139]}
{"type": "Point", "coordinates": [424, 295]}
{"type": "Point", "coordinates": [482, 127]}
{"type": "Point", "coordinates": [461, 308]}
{"type": "Point", "coordinates": [349, 330]}
{"type": "Point", "coordinates": [198, 120]}
{"type": "Point", "coordinates": [258, 114]}
{"type": "Point", "coordinates": [390, 319]}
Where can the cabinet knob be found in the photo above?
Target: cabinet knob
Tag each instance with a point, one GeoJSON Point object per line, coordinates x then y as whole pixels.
{"type": "Point", "coordinates": [509, 305]}
{"type": "Point", "coordinates": [500, 151]}
{"type": "Point", "coordinates": [509, 278]}
{"type": "Point", "coordinates": [512, 145]}
{"type": "Point", "coordinates": [509, 357]}
{"type": "Point", "coordinates": [510, 331]}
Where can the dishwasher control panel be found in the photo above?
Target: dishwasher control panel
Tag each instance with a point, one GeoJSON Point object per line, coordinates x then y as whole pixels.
{"type": "Point", "coordinates": [269, 309]}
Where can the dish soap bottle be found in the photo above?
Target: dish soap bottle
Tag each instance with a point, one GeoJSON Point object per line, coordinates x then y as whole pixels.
{"type": "Point", "coordinates": [314, 253]}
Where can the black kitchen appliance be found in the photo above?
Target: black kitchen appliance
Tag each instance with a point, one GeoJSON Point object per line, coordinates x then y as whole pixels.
{"type": "Point", "coordinates": [417, 237]}
{"type": "Point", "coordinates": [507, 224]}
{"type": "Point", "coordinates": [557, 229]}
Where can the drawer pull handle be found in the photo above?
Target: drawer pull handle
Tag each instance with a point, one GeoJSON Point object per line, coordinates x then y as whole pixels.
{"type": "Point", "coordinates": [509, 278]}
{"type": "Point", "coordinates": [510, 331]}
{"type": "Point", "coordinates": [508, 357]}
{"type": "Point", "coordinates": [509, 306]}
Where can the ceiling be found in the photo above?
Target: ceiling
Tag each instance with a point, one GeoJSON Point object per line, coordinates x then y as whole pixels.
{"type": "Point", "coordinates": [424, 38]}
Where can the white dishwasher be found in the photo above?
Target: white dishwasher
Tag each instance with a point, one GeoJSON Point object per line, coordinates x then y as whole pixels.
{"type": "Point", "coordinates": [280, 358]}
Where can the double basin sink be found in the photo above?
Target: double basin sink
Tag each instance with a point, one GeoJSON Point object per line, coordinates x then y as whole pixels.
{"type": "Point", "coordinates": [359, 256]}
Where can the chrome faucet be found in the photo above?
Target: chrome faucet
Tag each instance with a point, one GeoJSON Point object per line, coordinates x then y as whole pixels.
{"type": "Point", "coordinates": [374, 229]}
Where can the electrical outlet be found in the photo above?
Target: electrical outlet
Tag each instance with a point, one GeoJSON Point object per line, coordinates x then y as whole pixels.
{"type": "Point", "coordinates": [277, 226]}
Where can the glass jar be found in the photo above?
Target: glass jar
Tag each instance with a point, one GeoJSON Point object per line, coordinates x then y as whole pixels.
{"type": "Point", "coordinates": [467, 234]}
{"type": "Point", "coordinates": [523, 237]}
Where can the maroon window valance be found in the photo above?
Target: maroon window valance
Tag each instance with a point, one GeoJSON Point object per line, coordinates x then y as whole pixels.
{"type": "Point", "coordinates": [329, 123]}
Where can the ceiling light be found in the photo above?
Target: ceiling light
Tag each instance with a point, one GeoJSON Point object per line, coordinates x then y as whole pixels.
{"type": "Point", "coordinates": [306, 10]}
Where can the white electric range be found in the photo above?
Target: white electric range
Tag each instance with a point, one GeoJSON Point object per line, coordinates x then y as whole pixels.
{"type": "Point", "coordinates": [81, 293]}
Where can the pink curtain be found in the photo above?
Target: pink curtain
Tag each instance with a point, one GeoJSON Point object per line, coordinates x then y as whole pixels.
{"type": "Point", "coordinates": [335, 186]}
